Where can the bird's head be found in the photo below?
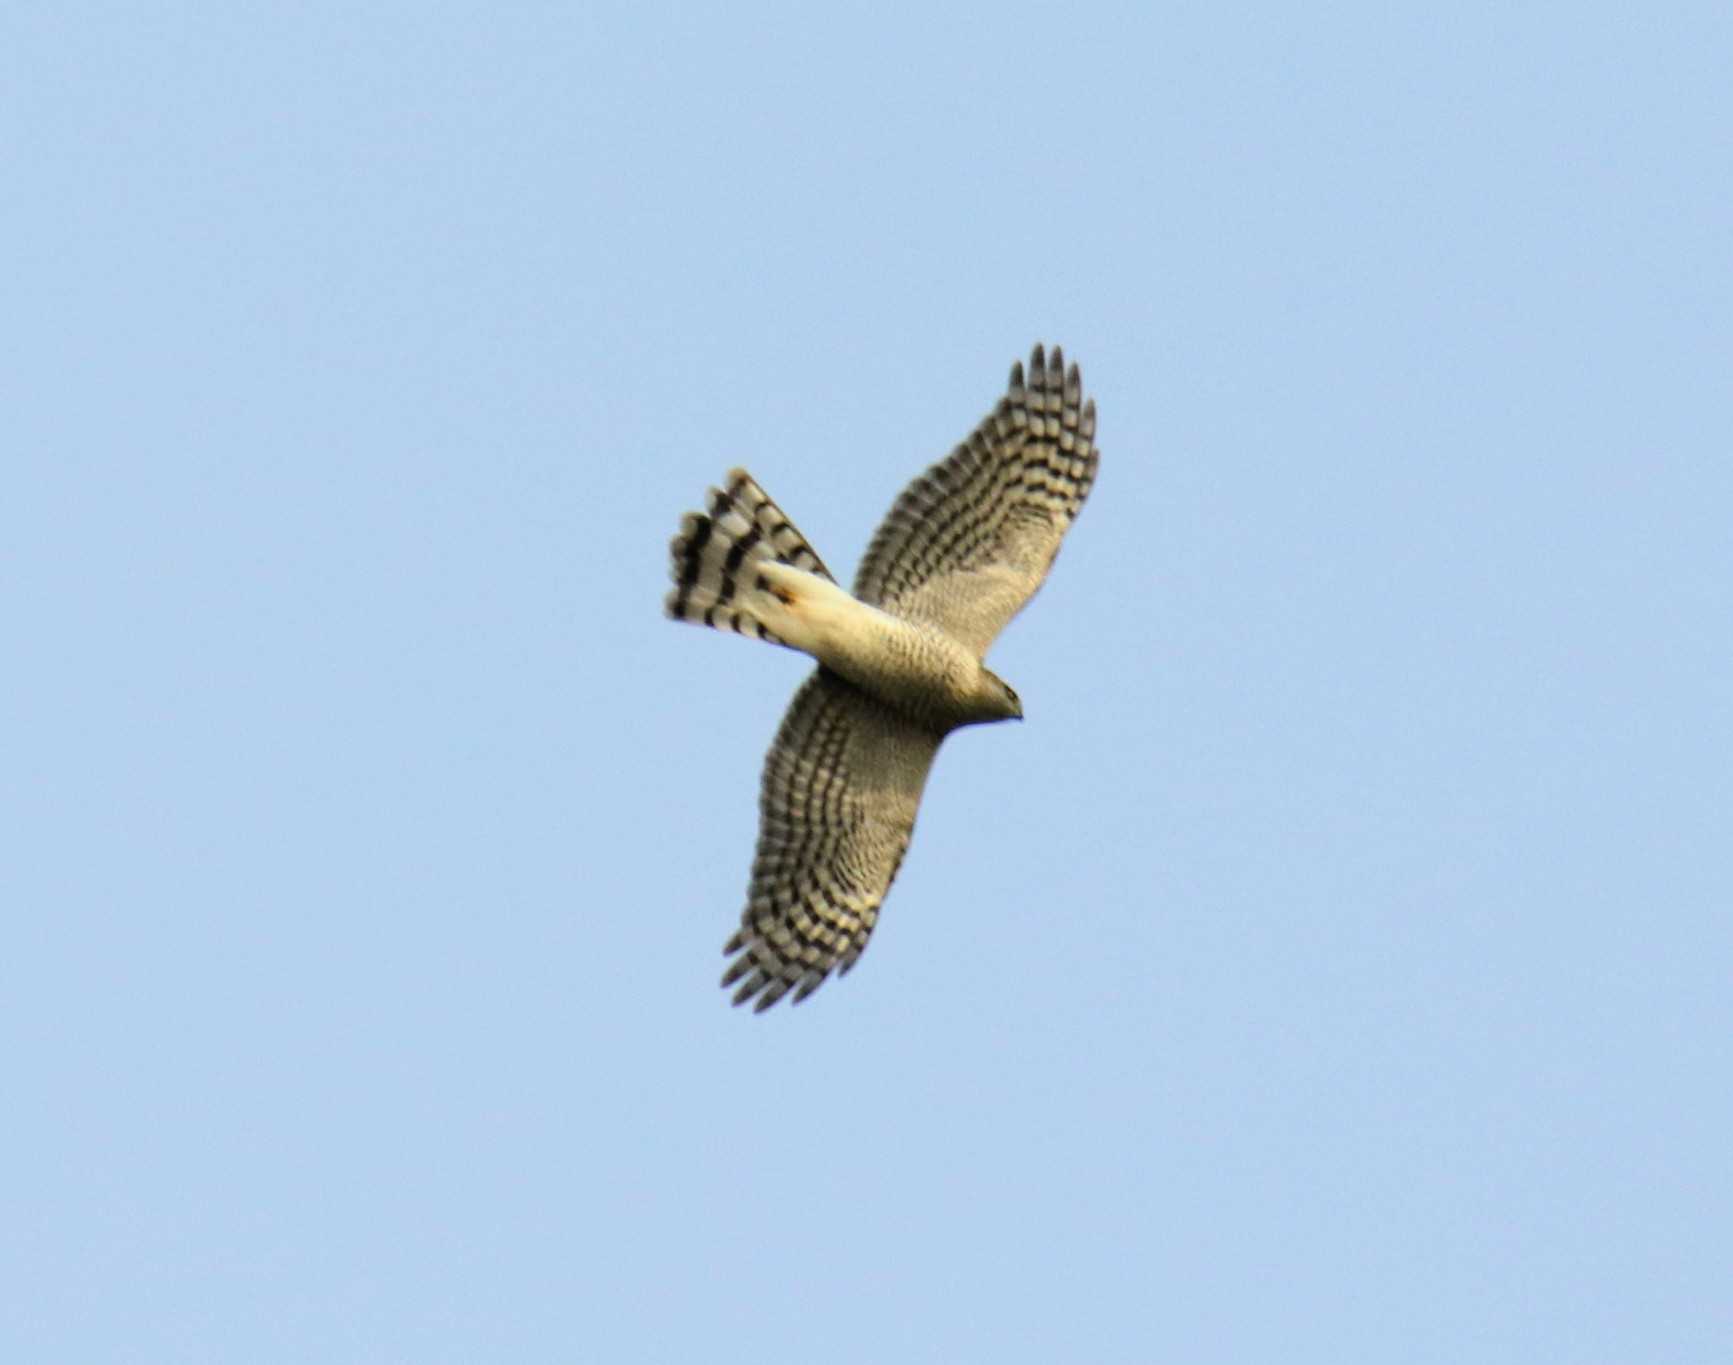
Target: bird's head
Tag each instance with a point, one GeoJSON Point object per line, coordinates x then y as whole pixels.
{"type": "Point", "coordinates": [999, 700]}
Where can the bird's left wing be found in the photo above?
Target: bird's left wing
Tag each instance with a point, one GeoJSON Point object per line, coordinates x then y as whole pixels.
{"type": "Point", "coordinates": [841, 786]}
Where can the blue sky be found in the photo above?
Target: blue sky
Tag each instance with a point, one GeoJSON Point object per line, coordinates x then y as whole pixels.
{"type": "Point", "coordinates": [1334, 967]}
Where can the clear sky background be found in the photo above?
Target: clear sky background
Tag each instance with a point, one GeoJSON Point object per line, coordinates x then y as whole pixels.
{"type": "Point", "coordinates": [1336, 966]}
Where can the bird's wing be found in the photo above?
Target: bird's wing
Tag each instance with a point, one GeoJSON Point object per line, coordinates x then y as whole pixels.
{"type": "Point", "coordinates": [841, 786]}
{"type": "Point", "coordinates": [969, 541]}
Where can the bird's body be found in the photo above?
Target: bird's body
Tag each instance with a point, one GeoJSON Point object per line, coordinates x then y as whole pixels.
{"type": "Point", "coordinates": [913, 667]}
{"type": "Point", "coordinates": [900, 661]}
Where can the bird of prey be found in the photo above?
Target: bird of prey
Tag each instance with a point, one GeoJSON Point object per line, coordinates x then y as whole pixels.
{"type": "Point", "coordinates": [899, 660]}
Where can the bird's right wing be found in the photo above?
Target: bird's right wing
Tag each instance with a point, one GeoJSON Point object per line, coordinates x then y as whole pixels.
{"type": "Point", "coordinates": [969, 542]}
{"type": "Point", "coordinates": [841, 786]}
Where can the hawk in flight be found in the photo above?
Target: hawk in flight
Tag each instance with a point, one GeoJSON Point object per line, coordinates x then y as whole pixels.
{"type": "Point", "coordinates": [899, 660]}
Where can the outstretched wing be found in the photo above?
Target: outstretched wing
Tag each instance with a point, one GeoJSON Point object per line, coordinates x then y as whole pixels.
{"type": "Point", "coordinates": [969, 542]}
{"type": "Point", "coordinates": [841, 786]}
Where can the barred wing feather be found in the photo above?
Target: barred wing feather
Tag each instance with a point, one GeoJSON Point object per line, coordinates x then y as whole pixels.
{"type": "Point", "coordinates": [969, 542]}
{"type": "Point", "coordinates": [836, 810]}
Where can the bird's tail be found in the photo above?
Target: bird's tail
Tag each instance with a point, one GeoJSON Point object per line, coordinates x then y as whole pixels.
{"type": "Point", "coordinates": [718, 553]}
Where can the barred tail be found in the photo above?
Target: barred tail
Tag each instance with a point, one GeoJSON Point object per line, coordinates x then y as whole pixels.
{"type": "Point", "coordinates": [717, 552]}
